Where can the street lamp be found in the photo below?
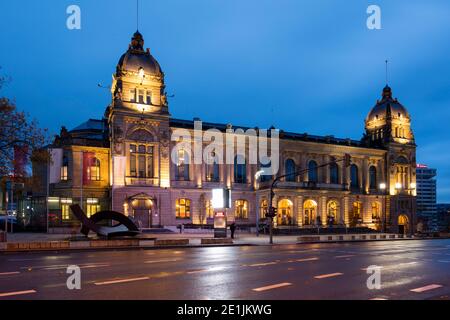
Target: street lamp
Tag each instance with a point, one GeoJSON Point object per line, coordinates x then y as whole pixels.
{"type": "Point", "coordinates": [257, 176]}
{"type": "Point", "coordinates": [383, 188]}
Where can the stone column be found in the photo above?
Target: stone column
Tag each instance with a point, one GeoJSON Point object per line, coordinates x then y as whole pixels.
{"type": "Point", "coordinates": [323, 205]}
{"type": "Point", "coordinates": [366, 181]}
{"type": "Point", "coordinates": [299, 211]}
{"type": "Point", "coordinates": [346, 208]}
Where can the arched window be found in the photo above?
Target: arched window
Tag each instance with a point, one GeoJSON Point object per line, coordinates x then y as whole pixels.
{"type": "Point", "coordinates": [209, 209]}
{"type": "Point", "coordinates": [332, 212]}
{"type": "Point", "coordinates": [354, 176]}
{"type": "Point", "coordinates": [265, 176]}
{"type": "Point", "coordinates": [284, 214]}
{"type": "Point", "coordinates": [376, 211]}
{"type": "Point", "coordinates": [183, 208]}
{"type": "Point", "coordinates": [289, 169]}
{"type": "Point", "coordinates": [182, 169]}
{"type": "Point", "coordinates": [212, 169]}
{"type": "Point", "coordinates": [356, 214]}
{"type": "Point", "coordinates": [334, 173]}
{"type": "Point", "coordinates": [240, 169]}
{"type": "Point", "coordinates": [263, 208]}
{"type": "Point", "coordinates": [94, 170]}
{"type": "Point", "coordinates": [312, 171]}
{"type": "Point", "coordinates": [241, 209]}
{"type": "Point", "coordinates": [373, 178]}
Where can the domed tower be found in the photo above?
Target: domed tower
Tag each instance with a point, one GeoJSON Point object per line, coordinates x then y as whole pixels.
{"type": "Point", "coordinates": [138, 119]}
{"type": "Point", "coordinates": [388, 126]}
{"type": "Point", "coordinates": [138, 83]}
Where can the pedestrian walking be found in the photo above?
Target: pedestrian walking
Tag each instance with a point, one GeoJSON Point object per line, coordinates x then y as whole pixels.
{"type": "Point", "coordinates": [232, 229]}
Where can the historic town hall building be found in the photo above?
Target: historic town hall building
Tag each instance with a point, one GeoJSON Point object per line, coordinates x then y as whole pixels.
{"type": "Point", "coordinates": [123, 162]}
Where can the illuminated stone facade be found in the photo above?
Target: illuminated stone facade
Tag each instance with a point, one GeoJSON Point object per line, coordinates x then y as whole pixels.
{"type": "Point", "coordinates": [133, 144]}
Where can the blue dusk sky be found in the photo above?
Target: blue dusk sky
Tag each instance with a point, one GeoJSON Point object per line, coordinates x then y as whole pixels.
{"type": "Point", "coordinates": [301, 65]}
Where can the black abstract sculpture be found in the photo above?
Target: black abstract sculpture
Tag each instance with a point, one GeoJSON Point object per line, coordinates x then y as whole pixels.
{"type": "Point", "coordinates": [125, 226]}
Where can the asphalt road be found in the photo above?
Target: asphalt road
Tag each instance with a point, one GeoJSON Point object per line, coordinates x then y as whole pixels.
{"type": "Point", "coordinates": [410, 270]}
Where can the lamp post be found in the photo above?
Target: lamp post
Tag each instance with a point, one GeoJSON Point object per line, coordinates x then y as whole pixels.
{"type": "Point", "coordinates": [383, 188]}
{"type": "Point", "coordinates": [257, 176]}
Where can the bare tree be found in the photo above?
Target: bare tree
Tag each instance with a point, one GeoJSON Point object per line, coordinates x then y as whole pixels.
{"type": "Point", "coordinates": [18, 132]}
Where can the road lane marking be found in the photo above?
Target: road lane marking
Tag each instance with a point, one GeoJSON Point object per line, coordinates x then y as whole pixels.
{"type": "Point", "coordinates": [160, 261]}
{"type": "Point", "coordinates": [120, 281]}
{"type": "Point", "coordinates": [9, 294]}
{"type": "Point", "coordinates": [86, 266]}
{"type": "Point", "coordinates": [9, 273]}
{"type": "Point", "coordinates": [262, 264]}
{"type": "Point", "coordinates": [394, 266]}
{"type": "Point", "coordinates": [307, 259]}
{"type": "Point", "coordinates": [330, 275]}
{"type": "Point", "coordinates": [273, 286]}
{"type": "Point", "coordinates": [346, 256]}
{"type": "Point", "coordinates": [206, 270]}
{"type": "Point", "coordinates": [426, 288]}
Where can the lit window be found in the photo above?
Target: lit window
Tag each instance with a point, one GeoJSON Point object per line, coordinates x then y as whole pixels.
{"type": "Point", "coordinates": [183, 208]}
{"type": "Point", "coordinates": [141, 161]}
{"type": "Point", "coordinates": [209, 209]}
{"type": "Point", "coordinates": [263, 209]}
{"type": "Point", "coordinates": [64, 169]}
{"type": "Point", "coordinates": [241, 209]}
{"type": "Point", "coordinates": [94, 170]}
{"type": "Point", "coordinates": [92, 206]}
{"type": "Point", "coordinates": [376, 211]}
{"type": "Point", "coordinates": [65, 208]}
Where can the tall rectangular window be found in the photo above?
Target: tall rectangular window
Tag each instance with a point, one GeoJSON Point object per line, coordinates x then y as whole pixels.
{"type": "Point", "coordinates": [65, 208]}
{"type": "Point", "coordinates": [133, 95]}
{"type": "Point", "coordinates": [92, 206]}
{"type": "Point", "coordinates": [141, 161]}
{"type": "Point", "coordinates": [64, 169]}
{"type": "Point", "coordinates": [141, 96]}
{"type": "Point", "coordinates": [149, 97]}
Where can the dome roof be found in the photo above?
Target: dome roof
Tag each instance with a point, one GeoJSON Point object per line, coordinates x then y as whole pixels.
{"type": "Point", "coordinates": [136, 58]}
{"type": "Point", "coordinates": [387, 104]}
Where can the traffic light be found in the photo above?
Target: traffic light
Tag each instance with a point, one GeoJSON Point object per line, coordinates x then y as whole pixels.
{"type": "Point", "coordinates": [272, 212]}
{"type": "Point", "coordinates": [347, 160]}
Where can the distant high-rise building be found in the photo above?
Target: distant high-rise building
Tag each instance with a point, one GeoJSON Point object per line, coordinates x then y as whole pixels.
{"type": "Point", "coordinates": [426, 197]}
{"type": "Point", "coordinates": [443, 210]}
